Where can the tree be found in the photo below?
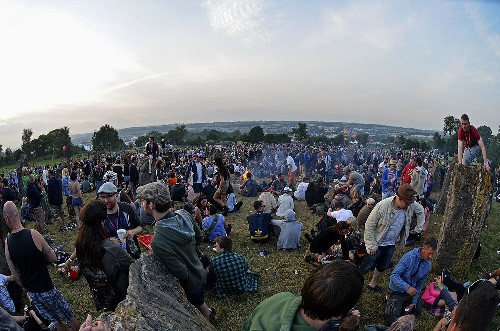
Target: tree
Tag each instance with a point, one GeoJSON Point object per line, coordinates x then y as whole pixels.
{"type": "Point", "coordinates": [300, 132]}
{"type": "Point", "coordinates": [451, 125]}
{"type": "Point", "coordinates": [26, 140]}
{"type": "Point", "coordinates": [256, 134]}
{"type": "Point", "coordinates": [439, 142]}
{"type": "Point", "coordinates": [177, 135]}
{"type": "Point", "coordinates": [106, 139]}
{"type": "Point", "coordinates": [363, 138]}
{"type": "Point", "coordinates": [486, 134]}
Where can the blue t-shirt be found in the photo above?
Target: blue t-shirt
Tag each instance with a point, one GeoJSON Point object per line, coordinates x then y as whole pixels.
{"type": "Point", "coordinates": [218, 230]}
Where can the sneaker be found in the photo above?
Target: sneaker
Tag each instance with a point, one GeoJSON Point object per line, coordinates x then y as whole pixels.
{"type": "Point", "coordinates": [376, 289]}
{"type": "Point", "coordinates": [211, 318]}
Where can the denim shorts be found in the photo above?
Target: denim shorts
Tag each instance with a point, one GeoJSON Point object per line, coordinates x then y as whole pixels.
{"type": "Point", "coordinates": [382, 260]}
{"type": "Point", "coordinates": [52, 305]}
{"type": "Point", "coordinates": [77, 202]}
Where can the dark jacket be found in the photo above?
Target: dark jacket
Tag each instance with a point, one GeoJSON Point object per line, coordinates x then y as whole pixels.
{"type": "Point", "coordinates": [134, 173]}
{"type": "Point", "coordinates": [54, 192]}
{"type": "Point", "coordinates": [192, 167]}
{"type": "Point", "coordinates": [34, 195]}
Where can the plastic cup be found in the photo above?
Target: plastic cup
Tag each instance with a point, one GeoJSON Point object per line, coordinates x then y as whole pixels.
{"type": "Point", "coordinates": [121, 234]}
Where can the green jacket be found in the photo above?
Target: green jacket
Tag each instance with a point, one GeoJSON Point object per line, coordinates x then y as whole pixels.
{"type": "Point", "coordinates": [279, 312]}
{"type": "Point", "coordinates": [174, 244]}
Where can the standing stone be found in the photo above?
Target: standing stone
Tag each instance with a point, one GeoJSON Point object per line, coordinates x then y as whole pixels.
{"type": "Point", "coordinates": [463, 218]}
{"type": "Point", "coordinates": [155, 301]}
{"type": "Point", "coordinates": [443, 197]}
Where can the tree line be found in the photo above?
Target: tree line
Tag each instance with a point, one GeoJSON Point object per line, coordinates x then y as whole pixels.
{"type": "Point", "coordinates": [57, 143]}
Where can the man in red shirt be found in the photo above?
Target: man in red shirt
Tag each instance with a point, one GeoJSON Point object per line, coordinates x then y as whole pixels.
{"type": "Point", "coordinates": [469, 137]}
{"type": "Point", "coordinates": [407, 171]}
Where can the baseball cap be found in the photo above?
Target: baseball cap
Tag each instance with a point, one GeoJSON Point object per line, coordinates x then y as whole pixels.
{"type": "Point", "coordinates": [107, 187]}
{"type": "Point", "coordinates": [156, 192]}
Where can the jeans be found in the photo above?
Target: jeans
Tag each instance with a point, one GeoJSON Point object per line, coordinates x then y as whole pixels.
{"type": "Point", "coordinates": [396, 303]}
{"type": "Point", "coordinates": [469, 154]}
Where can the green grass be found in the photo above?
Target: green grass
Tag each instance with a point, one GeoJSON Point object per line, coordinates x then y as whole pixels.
{"type": "Point", "coordinates": [285, 271]}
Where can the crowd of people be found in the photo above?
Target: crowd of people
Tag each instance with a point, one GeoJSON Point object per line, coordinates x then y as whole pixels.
{"type": "Point", "coordinates": [367, 200]}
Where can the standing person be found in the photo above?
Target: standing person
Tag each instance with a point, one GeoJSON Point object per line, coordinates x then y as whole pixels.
{"type": "Point", "coordinates": [407, 280]}
{"type": "Point", "coordinates": [470, 138]}
{"type": "Point", "coordinates": [120, 215]}
{"type": "Point", "coordinates": [28, 255]}
{"type": "Point", "coordinates": [389, 180]}
{"type": "Point", "coordinates": [220, 195]}
{"type": "Point", "coordinates": [95, 252]}
{"type": "Point", "coordinates": [407, 171]}
{"type": "Point", "coordinates": [197, 174]}
{"type": "Point", "coordinates": [292, 170]}
{"type": "Point", "coordinates": [134, 176]}
{"type": "Point", "coordinates": [152, 151]}
{"type": "Point", "coordinates": [34, 195]}
{"type": "Point", "coordinates": [54, 194]}
{"type": "Point", "coordinates": [174, 243]}
{"type": "Point", "coordinates": [389, 220]}
{"type": "Point", "coordinates": [76, 196]}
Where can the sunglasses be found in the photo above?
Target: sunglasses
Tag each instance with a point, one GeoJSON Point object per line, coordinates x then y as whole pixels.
{"type": "Point", "coordinates": [475, 285]}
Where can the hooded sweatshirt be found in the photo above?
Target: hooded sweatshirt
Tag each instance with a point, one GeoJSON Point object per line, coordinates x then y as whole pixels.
{"type": "Point", "coordinates": [174, 243]}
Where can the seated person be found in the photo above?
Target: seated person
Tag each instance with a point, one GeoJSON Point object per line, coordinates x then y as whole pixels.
{"type": "Point", "coordinates": [300, 193]}
{"type": "Point", "coordinates": [249, 187]}
{"type": "Point", "coordinates": [339, 213]}
{"type": "Point", "coordinates": [328, 295]}
{"type": "Point", "coordinates": [433, 299]}
{"type": "Point", "coordinates": [269, 201]}
{"type": "Point", "coordinates": [259, 223]}
{"type": "Point", "coordinates": [201, 209]}
{"type": "Point", "coordinates": [407, 280]}
{"type": "Point", "coordinates": [232, 205]}
{"type": "Point", "coordinates": [219, 228]}
{"type": "Point", "coordinates": [230, 270]}
{"type": "Point", "coordinates": [179, 192]}
{"type": "Point", "coordinates": [285, 202]}
{"type": "Point", "coordinates": [290, 231]}
{"type": "Point", "coordinates": [475, 311]}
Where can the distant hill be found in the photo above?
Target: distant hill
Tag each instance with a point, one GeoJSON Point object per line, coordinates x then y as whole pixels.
{"type": "Point", "coordinates": [314, 128]}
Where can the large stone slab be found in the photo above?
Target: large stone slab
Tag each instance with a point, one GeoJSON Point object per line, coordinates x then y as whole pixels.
{"type": "Point", "coordinates": [155, 301]}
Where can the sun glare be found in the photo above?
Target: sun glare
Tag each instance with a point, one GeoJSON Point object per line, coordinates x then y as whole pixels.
{"type": "Point", "coordinates": [50, 59]}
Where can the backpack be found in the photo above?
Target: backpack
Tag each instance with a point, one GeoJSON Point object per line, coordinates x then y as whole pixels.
{"type": "Point", "coordinates": [103, 293]}
{"type": "Point", "coordinates": [259, 228]}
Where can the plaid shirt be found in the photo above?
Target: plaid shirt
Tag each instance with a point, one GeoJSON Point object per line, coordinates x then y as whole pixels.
{"type": "Point", "coordinates": [233, 275]}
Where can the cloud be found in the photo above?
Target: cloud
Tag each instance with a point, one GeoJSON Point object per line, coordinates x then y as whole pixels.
{"type": "Point", "coordinates": [365, 24]}
{"type": "Point", "coordinates": [250, 21]}
{"type": "Point", "coordinates": [482, 27]}
{"type": "Point", "coordinates": [441, 82]}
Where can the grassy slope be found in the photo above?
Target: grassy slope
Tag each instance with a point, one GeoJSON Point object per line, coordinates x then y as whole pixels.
{"type": "Point", "coordinates": [285, 271]}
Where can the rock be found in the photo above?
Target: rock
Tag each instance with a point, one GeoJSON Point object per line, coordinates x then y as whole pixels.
{"type": "Point", "coordinates": [155, 301]}
{"type": "Point", "coordinates": [144, 175]}
{"type": "Point", "coordinates": [443, 197]}
{"type": "Point", "coordinates": [463, 219]}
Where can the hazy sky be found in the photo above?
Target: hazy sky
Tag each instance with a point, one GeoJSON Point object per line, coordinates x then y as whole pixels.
{"type": "Point", "coordinates": [86, 63]}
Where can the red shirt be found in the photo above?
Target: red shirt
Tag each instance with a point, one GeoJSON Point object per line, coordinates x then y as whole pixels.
{"type": "Point", "coordinates": [406, 174]}
{"type": "Point", "coordinates": [470, 138]}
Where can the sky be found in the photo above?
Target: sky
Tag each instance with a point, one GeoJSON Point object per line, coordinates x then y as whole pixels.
{"type": "Point", "coordinates": [83, 64]}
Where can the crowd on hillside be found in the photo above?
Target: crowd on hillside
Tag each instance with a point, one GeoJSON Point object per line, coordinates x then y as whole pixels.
{"type": "Point", "coordinates": [367, 200]}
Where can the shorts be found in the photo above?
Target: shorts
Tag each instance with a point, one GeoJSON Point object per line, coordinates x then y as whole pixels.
{"type": "Point", "coordinates": [38, 214]}
{"type": "Point", "coordinates": [56, 211]}
{"type": "Point", "coordinates": [52, 306]}
{"type": "Point", "coordinates": [381, 260]}
{"type": "Point", "coordinates": [198, 298]}
{"type": "Point", "coordinates": [224, 187]}
{"type": "Point", "coordinates": [197, 187]}
{"type": "Point", "coordinates": [77, 202]}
